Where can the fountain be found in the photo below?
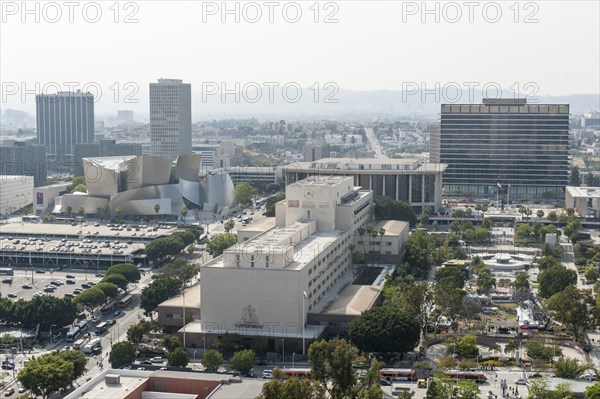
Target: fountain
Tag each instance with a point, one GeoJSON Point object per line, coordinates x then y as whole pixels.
{"type": "Point", "coordinates": [505, 262]}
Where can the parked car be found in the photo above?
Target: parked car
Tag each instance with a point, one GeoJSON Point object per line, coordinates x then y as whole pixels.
{"type": "Point", "coordinates": [12, 295]}
{"type": "Point", "coordinates": [521, 381]}
{"type": "Point", "coordinates": [69, 281]}
{"type": "Point", "coordinates": [156, 359]}
{"type": "Point", "coordinates": [9, 391]}
{"type": "Point", "coordinates": [70, 276]}
{"type": "Point", "coordinates": [267, 374]}
{"type": "Point", "coordinates": [27, 286]}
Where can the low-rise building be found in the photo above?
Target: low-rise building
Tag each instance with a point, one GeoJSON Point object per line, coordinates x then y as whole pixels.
{"type": "Point", "coordinates": [171, 311]}
{"type": "Point", "coordinates": [585, 200]}
{"type": "Point", "coordinates": [166, 384]}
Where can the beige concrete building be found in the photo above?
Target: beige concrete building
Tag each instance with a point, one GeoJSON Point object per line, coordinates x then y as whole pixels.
{"type": "Point", "coordinates": [405, 179]}
{"type": "Point", "coordinates": [585, 200]}
{"type": "Point", "coordinates": [302, 263]}
{"type": "Point", "coordinates": [171, 311]}
{"type": "Point", "coordinates": [387, 248]}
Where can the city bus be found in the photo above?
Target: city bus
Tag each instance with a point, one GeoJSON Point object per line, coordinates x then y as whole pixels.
{"type": "Point", "coordinates": [392, 374]}
{"type": "Point", "coordinates": [83, 326]}
{"type": "Point", "coordinates": [476, 376]}
{"type": "Point", "coordinates": [7, 271]}
{"type": "Point", "coordinates": [101, 328]}
{"type": "Point", "coordinates": [81, 342]}
{"type": "Point", "coordinates": [73, 334]}
{"type": "Point", "coordinates": [126, 300]}
{"type": "Point", "coordinates": [300, 373]}
{"type": "Point", "coordinates": [91, 346]}
{"type": "Point", "coordinates": [107, 308]}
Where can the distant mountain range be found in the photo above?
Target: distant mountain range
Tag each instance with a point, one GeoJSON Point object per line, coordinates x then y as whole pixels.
{"type": "Point", "coordinates": [348, 104]}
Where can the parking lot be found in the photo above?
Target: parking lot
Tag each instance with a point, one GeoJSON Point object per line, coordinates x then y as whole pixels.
{"type": "Point", "coordinates": [24, 286]}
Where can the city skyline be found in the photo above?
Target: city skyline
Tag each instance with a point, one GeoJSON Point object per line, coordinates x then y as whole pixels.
{"type": "Point", "coordinates": [382, 46]}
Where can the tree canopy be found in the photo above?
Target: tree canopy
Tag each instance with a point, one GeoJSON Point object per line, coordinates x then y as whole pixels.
{"type": "Point", "coordinates": [212, 360]}
{"type": "Point", "coordinates": [243, 361]}
{"type": "Point", "coordinates": [49, 373]}
{"type": "Point", "coordinates": [385, 329]}
{"type": "Point", "coordinates": [220, 242]}
{"type": "Point", "coordinates": [46, 310]}
{"type": "Point", "coordinates": [178, 358]}
{"type": "Point", "coordinates": [388, 209]}
{"type": "Point", "coordinates": [159, 291]}
{"type": "Point", "coordinates": [571, 307]}
{"type": "Point", "coordinates": [90, 298]}
{"type": "Point", "coordinates": [121, 354]}
{"type": "Point", "coordinates": [244, 193]}
{"type": "Point", "coordinates": [555, 279]}
{"type": "Point", "coordinates": [127, 270]}
{"type": "Point", "coordinates": [117, 279]}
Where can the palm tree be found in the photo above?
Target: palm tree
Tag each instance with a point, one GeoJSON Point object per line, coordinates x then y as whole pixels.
{"type": "Point", "coordinates": [540, 214]}
{"type": "Point", "coordinates": [118, 211]}
{"type": "Point", "coordinates": [105, 208]}
{"type": "Point", "coordinates": [494, 347]}
{"type": "Point", "coordinates": [511, 347]}
{"type": "Point", "coordinates": [81, 211]}
{"type": "Point", "coordinates": [184, 212]}
{"type": "Point", "coordinates": [69, 210]}
{"type": "Point", "coordinates": [156, 210]}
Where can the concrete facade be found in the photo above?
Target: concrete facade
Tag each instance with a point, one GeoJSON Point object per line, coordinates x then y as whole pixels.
{"type": "Point", "coordinates": [302, 263]}
{"type": "Point", "coordinates": [16, 193]}
{"type": "Point", "coordinates": [585, 200]}
{"type": "Point", "coordinates": [406, 179]}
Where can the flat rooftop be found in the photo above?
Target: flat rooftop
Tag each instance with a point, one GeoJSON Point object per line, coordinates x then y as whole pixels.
{"type": "Point", "coordinates": [261, 225]}
{"type": "Point", "coordinates": [278, 239]}
{"type": "Point", "coordinates": [354, 300]}
{"type": "Point", "coordinates": [228, 386]}
{"type": "Point", "coordinates": [198, 327]}
{"type": "Point", "coordinates": [192, 298]}
{"type": "Point", "coordinates": [320, 181]}
{"type": "Point", "coordinates": [584, 192]}
{"type": "Point", "coordinates": [368, 165]}
{"type": "Point", "coordinates": [392, 227]}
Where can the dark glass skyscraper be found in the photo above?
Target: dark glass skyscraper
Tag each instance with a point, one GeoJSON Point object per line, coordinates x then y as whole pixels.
{"type": "Point", "coordinates": [505, 142]}
{"type": "Point", "coordinates": [63, 120]}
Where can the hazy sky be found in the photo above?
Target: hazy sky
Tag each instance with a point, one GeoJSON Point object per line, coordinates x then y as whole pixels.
{"type": "Point", "coordinates": [373, 45]}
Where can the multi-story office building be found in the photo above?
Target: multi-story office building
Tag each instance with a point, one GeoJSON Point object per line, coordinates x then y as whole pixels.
{"type": "Point", "coordinates": [316, 149]}
{"type": "Point", "coordinates": [16, 193]}
{"type": "Point", "coordinates": [303, 262]}
{"type": "Point", "coordinates": [63, 120]}
{"type": "Point", "coordinates": [104, 148]}
{"type": "Point", "coordinates": [405, 179]}
{"type": "Point", "coordinates": [434, 142]}
{"type": "Point", "coordinates": [125, 116]}
{"type": "Point", "coordinates": [24, 158]}
{"type": "Point", "coordinates": [505, 142]}
{"type": "Point", "coordinates": [170, 118]}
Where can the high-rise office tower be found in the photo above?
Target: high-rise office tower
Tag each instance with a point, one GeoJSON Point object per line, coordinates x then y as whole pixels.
{"type": "Point", "coordinates": [170, 118]}
{"type": "Point", "coordinates": [505, 146]}
{"type": "Point", "coordinates": [63, 120]}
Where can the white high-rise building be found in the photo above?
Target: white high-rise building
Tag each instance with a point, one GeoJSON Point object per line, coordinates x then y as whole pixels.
{"type": "Point", "coordinates": [170, 118]}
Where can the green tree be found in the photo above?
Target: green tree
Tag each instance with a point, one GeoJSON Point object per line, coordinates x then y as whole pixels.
{"type": "Point", "coordinates": [388, 209]}
{"type": "Point", "coordinates": [467, 390]}
{"type": "Point", "coordinates": [331, 365]}
{"type": "Point", "coordinates": [171, 342]}
{"type": "Point", "coordinates": [212, 360]}
{"type": "Point", "coordinates": [243, 361]}
{"type": "Point", "coordinates": [555, 279]}
{"type": "Point", "coordinates": [118, 211]}
{"type": "Point", "coordinates": [184, 212]}
{"type": "Point", "coordinates": [569, 368]}
{"type": "Point", "coordinates": [156, 209]}
{"type": "Point", "coordinates": [229, 343]}
{"type": "Point", "coordinates": [552, 216]}
{"type": "Point", "coordinates": [521, 282]}
{"type": "Point", "coordinates": [465, 346]}
{"type": "Point", "coordinates": [77, 181]}
{"type": "Point", "coordinates": [270, 204]}
{"type": "Point", "coordinates": [593, 391]}
{"type": "Point", "coordinates": [81, 211]}
{"type": "Point", "coordinates": [163, 247]}
{"type": "Point", "coordinates": [591, 274]}
{"type": "Point", "coordinates": [77, 358]}
{"type": "Point", "coordinates": [485, 281]}
{"type": "Point", "coordinates": [180, 269]}
{"type": "Point", "coordinates": [385, 329]}
{"type": "Point", "coordinates": [178, 358]}
{"type": "Point", "coordinates": [116, 279]}
{"type": "Point", "coordinates": [46, 375]}
{"type": "Point", "coordinates": [127, 270]}
{"type": "Point", "coordinates": [110, 290]}
{"type": "Point", "coordinates": [571, 307]}
{"type": "Point", "coordinates": [219, 243]}
{"type": "Point", "coordinates": [122, 353]}
{"type": "Point", "coordinates": [159, 291]}
{"type": "Point", "coordinates": [540, 213]}
{"type": "Point", "coordinates": [244, 193]}
{"type": "Point", "coordinates": [136, 332]}
{"type": "Point", "coordinates": [69, 210]}
{"type": "Point", "coordinates": [229, 225]}
{"type": "Point", "coordinates": [90, 298]}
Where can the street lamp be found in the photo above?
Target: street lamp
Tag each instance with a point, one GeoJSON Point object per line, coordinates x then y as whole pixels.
{"type": "Point", "coordinates": [293, 359]}
{"type": "Point", "coordinates": [303, 322]}
{"type": "Point", "coordinates": [52, 336]}
{"type": "Point", "coordinates": [203, 345]}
